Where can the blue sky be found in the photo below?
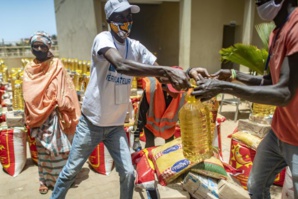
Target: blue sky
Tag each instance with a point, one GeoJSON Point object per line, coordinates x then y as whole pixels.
{"type": "Point", "coordinates": [21, 18]}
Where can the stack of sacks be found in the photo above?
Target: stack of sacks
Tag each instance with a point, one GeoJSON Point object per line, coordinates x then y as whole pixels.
{"type": "Point", "coordinates": [12, 135]}
{"type": "Point", "coordinates": [170, 165]}
{"type": "Point", "coordinates": [207, 179]}
{"type": "Point", "coordinates": [242, 153]}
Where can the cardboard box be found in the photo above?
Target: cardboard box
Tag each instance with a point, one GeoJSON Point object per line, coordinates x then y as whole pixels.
{"type": "Point", "coordinates": [227, 190]}
{"type": "Point", "coordinates": [200, 186]}
{"type": "Point", "coordinates": [172, 191]}
{"type": "Point", "coordinates": [254, 128]}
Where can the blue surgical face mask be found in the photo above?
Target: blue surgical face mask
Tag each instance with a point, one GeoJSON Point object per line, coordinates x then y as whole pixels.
{"type": "Point", "coordinates": [269, 10]}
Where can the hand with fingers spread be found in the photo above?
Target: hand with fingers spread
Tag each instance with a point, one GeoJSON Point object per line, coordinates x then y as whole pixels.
{"type": "Point", "coordinates": [198, 73]}
{"type": "Point", "coordinates": [207, 88]}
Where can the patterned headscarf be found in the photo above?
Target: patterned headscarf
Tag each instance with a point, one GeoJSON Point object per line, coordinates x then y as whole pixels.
{"type": "Point", "coordinates": [42, 37]}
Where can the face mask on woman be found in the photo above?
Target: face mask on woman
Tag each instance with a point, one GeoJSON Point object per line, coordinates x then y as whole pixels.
{"type": "Point", "coordinates": [269, 10]}
{"type": "Point", "coordinates": [40, 55]}
{"type": "Point", "coordinates": [121, 29]}
{"type": "Point", "coordinates": [40, 51]}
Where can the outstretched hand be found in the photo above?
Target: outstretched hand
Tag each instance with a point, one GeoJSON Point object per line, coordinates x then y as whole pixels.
{"type": "Point", "coordinates": [207, 88]}
{"type": "Point", "coordinates": [222, 74]}
{"type": "Point", "coordinates": [198, 73]}
{"type": "Point", "coordinates": [177, 78]}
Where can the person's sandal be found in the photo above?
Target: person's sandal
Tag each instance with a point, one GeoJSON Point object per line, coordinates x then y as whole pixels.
{"type": "Point", "coordinates": [43, 189]}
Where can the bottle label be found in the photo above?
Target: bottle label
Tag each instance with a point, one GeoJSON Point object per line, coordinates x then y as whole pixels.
{"type": "Point", "coordinates": [180, 165]}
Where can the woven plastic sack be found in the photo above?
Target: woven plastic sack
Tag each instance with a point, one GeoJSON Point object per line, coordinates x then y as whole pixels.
{"type": "Point", "coordinates": [169, 161]}
{"type": "Point", "coordinates": [100, 160]}
{"type": "Point", "coordinates": [211, 167]}
{"type": "Point", "coordinates": [13, 150]}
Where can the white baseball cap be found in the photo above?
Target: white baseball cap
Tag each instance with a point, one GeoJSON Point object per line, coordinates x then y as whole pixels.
{"type": "Point", "coordinates": [118, 6]}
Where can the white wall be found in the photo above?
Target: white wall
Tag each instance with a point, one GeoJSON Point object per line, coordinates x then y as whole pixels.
{"type": "Point", "coordinates": [76, 27]}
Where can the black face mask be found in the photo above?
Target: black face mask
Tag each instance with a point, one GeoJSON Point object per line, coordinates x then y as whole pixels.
{"type": "Point", "coordinates": [40, 56]}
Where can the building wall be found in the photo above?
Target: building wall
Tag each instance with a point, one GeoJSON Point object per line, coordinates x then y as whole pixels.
{"type": "Point", "coordinates": [156, 26]}
{"type": "Point", "coordinates": [76, 27]}
{"type": "Point", "coordinates": [207, 24]}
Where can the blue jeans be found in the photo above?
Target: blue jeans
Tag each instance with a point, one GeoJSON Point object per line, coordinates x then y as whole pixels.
{"type": "Point", "coordinates": [272, 156]}
{"type": "Point", "coordinates": [86, 138]}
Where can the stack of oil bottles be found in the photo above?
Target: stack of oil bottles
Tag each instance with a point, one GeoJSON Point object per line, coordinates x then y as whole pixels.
{"type": "Point", "coordinates": [79, 71]}
{"type": "Point", "coordinates": [11, 87]}
{"type": "Point", "coordinates": [13, 132]}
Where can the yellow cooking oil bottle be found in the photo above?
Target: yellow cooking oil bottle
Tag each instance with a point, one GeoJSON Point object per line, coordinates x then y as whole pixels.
{"type": "Point", "coordinates": [194, 120]}
{"type": "Point", "coordinates": [262, 110]}
{"type": "Point", "coordinates": [18, 103]}
{"type": "Point", "coordinates": [213, 105]}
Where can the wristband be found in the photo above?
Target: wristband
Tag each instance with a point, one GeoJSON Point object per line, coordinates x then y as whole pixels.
{"type": "Point", "coordinates": [233, 74]}
{"type": "Point", "coordinates": [262, 82]}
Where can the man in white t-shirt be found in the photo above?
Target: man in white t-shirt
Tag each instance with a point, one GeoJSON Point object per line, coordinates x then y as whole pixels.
{"type": "Point", "coordinates": [115, 59]}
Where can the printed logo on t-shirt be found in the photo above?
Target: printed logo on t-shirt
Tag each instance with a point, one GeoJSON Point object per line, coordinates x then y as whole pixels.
{"type": "Point", "coordinates": [112, 68]}
{"type": "Point", "coordinates": [115, 78]}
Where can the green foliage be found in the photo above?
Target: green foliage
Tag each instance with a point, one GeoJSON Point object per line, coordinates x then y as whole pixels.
{"type": "Point", "coordinates": [246, 55]}
{"type": "Point", "coordinates": [249, 55]}
{"type": "Point", "coordinates": [264, 30]}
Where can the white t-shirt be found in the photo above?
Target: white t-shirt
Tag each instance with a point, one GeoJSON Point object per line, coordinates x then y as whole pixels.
{"type": "Point", "coordinates": [107, 95]}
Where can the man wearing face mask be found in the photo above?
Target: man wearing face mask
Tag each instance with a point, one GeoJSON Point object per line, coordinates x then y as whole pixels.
{"type": "Point", "coordinates": [115, 59]}
{"type": "Point", "coordinates": [280, 146]}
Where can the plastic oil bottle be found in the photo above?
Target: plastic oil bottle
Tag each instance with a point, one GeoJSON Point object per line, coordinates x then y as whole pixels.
{"type": "Point", "coordinates": [18, 103]}
{"type": "Point", "coordinates": [134, 87]}
{"type": "Point", "coordinates": [262, 110]}
{"type": "Point", "coordinates": [194, 120]}
{"type": "Point", "coordinates": [213, 108]}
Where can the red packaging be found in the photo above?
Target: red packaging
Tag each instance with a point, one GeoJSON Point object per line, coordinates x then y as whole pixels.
{"type": "Point", "coordinates": [32, 147]}
{"type": "Point", "coordinates": [145, 169]}
{"type": "Point", "coordinates": [13, 150]}
{"type": "Point", "coordinates": [241, 158]}
{"type": "Point", "coordinates": [100, 160]}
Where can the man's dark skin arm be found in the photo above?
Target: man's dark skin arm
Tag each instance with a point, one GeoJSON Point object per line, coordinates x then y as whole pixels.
{"type": "Point", "coordinates": [279, 94]}
{"type": "Point", "coordinates": [252, 80]}
{"type": "Point", "coordinates": [177, 77]}
{"type": "Point", "coordinates": [140, 121]}
{"type": "Point", "coordinates": [142, 111]}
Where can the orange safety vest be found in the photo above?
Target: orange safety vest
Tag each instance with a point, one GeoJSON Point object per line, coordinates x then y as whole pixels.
{"type": "Point", "coordinates": [161, 121]}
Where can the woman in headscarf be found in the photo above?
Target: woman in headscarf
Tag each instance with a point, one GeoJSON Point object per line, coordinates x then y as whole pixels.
{"type": "Point", "coordinates": [52, 109]}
